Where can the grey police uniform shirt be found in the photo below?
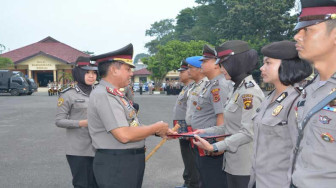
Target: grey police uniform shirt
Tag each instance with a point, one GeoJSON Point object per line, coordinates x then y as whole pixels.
{"type": "Point", "coordinates": [316, 160]}
{"type": "Point", "coordinates": [180, 108]}
{"type": "Point", "coordinates": [193, 95]}
{"type": "Point", "coordinates": [211, 102]}
{"type": "Point", "coordinates": [238, 113]}
{"type": "Point", "coordinates": [275, 136]}
{"type": "Point", "coordinates": [71, 108]}
{"type": "Point", "coordinates": [108, 111]}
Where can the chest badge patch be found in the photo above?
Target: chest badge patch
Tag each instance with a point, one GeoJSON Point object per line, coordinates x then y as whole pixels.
{"type": "Point", "coordinates": [194, 103]}
{"type": "Point", "coordinates": [215, 94]}
{"type": "Point", "coordinates": [60, 101]}
{"type": "Point", "coordinates": [199, 108]}
{"type": "Point", "coordinates": [327, 137]}
{"type": "Point", "coordinates": [134, 123]}
{"type": "Point", "coordinates": [277, 110]}
{"type": "Point", "coordinates": [324, 119]}
{"type": "Point", "coordinates": [248, 101]}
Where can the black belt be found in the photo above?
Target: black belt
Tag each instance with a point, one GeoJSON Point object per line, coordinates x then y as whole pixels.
{"type": "Point", "coordinates": [122, 151]}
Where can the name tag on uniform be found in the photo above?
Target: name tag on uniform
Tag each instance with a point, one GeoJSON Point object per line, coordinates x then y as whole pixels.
{"type": "Point", "coordinates": [80, 100]}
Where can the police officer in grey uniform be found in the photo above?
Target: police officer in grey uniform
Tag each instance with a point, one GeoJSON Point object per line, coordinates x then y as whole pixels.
{"type": "Point", "coordinates": [116, 132]}
{"type": "Point", "coordinates": [315, 161]}
{"type": "Point", "coordinates": [179, 114]}
{"type": "Point", "coordinates": [275, 132]}
{"type": "Point", "coordinates": [188, 155]}
{"type": "Point", "coordinates": [209, 113]}
{"type": "Point", "coordinates": [237, 61]}
{"type": "Point", "coordinates": [72, 115]}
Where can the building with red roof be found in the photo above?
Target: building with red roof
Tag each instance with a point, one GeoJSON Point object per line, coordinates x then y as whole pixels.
{"type": "Point", "coordinates": [44, 61]}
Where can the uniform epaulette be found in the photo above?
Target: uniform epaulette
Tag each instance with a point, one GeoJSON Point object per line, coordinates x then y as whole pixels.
{"type": "Point", "coordinates": [114, 91]}
{"type": "Point", "coordinates": [66, 89]}
{"type": "Point", "coordinates": [249, 84]}
{"type": "Point", "coordinates": [215, 83]}
{"type": "Point", "coordinates": [77, 89]}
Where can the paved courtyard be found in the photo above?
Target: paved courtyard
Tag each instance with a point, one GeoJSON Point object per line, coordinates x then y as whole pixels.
{"type": "Point", "coordinates": [32, 147]}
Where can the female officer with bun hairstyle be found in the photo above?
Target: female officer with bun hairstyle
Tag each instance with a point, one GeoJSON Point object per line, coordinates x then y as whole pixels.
{"type": "Point", "coordinates": [72, 115]}
{"type": "Point", "coordinates": [237, 62]}
{"type": "Point", "coordinates": [274, 138]}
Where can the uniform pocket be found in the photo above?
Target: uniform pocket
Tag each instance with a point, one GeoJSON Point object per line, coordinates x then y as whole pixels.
{"type": "Point", "coordinates": [276, 126]}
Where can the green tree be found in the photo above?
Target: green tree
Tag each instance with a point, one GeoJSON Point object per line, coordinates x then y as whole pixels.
{"type": "Point", "coordinates": [162, 31]}
{"type": "Point", "coordinates": [5, 62]}
{"type": "Point", "coordinates": [65, 76]}
{"type": "Point", "coordinates": [169, 57]}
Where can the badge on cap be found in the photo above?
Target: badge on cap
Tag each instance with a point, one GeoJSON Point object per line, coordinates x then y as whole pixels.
{"type": "Point", "coordinates": [327, 137]}
{"type": "Point", "coordinates": [60, 101]}
{"type": "Point", "coordinates": [277, 110]}
{"type": "Point", "coordinates": [248, 101]}
{"type": "Point", "coordinates": [324, 119]}
{"type": "Point", "coordinates": [215, 94]}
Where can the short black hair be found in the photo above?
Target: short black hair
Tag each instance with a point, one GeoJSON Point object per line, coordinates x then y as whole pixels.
{"type": "Point", "coordinates": [292, 71]}
{"type": "Point", "coordinates": [104, 66]}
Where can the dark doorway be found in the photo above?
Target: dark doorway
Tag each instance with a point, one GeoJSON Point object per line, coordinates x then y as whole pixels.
{"type": "Point", "coordinates": [43, 78]}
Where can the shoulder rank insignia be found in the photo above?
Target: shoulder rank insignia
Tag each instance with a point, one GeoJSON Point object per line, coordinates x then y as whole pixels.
{"type": "Point", "coordinates": [327, 137]}
{"type": "Point", "coordinates": [236, 97]}
{"type": "Point", "coordinates": [60, 101]}
{"type": "Point", "coordinates": [282, 97]}
{"type": "Point", "coordinates": [77, 89]}
{"type": "Point", "coordinates": [114, 91]}
{"type": "Point", "coordinates": [215, 94]}
{"type": "Point", "coordinates": [215, 83]}
{"type": "Point", "coordinates": [248, 101]}
{"type": "Point", "coordinates": [277, 110]}
{"type": "Point", "coordinates": [249, 84]}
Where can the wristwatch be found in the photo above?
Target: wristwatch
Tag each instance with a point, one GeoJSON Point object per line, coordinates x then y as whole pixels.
{"type": "Point", "coordinates": [215, 149]}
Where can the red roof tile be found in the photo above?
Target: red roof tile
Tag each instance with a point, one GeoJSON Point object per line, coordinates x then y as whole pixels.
{"type": "Point", "coordinates": [143, 71]}
{"type": "Point", "coordinates": [48, 46]}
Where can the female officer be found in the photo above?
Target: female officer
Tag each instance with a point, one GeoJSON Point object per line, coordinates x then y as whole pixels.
{"type": "Point", "coordinates": [274, 138]}
{"type": "Point", "coordinates": [72, 115]}
{"type": "Point", "coordinates": [237, 61]}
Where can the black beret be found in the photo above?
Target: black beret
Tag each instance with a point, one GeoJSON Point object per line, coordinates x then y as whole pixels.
{"type": "Point", "coordinates": [280, 50]}
{"type": "Point", "coordinates": [232, 47]}
{"type": "Point", "coordinates": [316, 11]}
{"type": "Point", "coordinates": [124, 55]}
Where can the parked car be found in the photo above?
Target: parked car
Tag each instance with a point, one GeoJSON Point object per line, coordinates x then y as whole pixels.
{"type": "Point", "coordinates": [136, 86]}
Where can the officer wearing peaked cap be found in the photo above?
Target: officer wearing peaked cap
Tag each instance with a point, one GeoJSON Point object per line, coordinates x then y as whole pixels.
{"type": "Point", "coordinates": [72, 115]}
{"type": "Point", "coordinates": [237, 62]}
{"type": "Point", "coordinates": [209, 113]}
{"type": "Point", "coordinates": [116, 132]}
{"type": "Point", "coordinates": [315, 151]}
{"type": "Point", "coordinates": [179, 115]}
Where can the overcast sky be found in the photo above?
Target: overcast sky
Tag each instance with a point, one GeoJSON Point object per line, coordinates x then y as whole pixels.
{"type": "Point", "coordinates": [99, 26]}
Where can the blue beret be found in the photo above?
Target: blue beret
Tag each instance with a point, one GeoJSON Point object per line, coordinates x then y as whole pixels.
{"type": "Point", "coordinates": [194, 61]}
